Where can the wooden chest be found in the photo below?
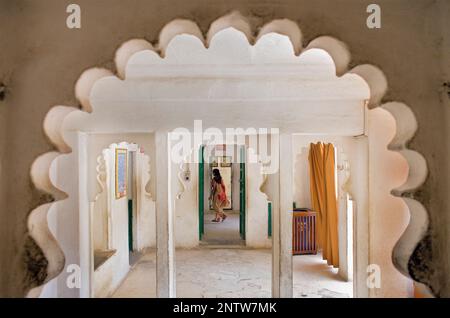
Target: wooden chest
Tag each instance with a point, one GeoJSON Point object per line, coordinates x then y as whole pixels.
{"type": "Point", "coordinates": [304, 227]}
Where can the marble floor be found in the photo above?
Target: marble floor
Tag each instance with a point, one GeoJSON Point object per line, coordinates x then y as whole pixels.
{"type": "Point", "coordinates": [223, 267]}
{"type": "Point", "coordinates": [234, 272]}
{"type": "Point", "coordinates": [224, 233]}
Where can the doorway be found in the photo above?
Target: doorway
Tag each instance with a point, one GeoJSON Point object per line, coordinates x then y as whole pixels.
{"type": "Point", "coordinates": [229, 160]}
{"type": "Point", "coordinates": [318, 273]}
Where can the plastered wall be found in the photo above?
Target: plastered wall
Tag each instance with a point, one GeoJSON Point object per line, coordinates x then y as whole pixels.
{"type": "Point", "coordinates": [41, 59]}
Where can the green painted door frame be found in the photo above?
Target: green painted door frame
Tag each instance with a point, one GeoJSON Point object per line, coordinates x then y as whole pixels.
{"type": "Point", "coordinates": [242, 192]}
{"type": "Point", "coordinates": [269, 219]}
{"type": "Point", "coordinates": [201, 193]}
{"type": "Point", "coordinates": [130, 225]}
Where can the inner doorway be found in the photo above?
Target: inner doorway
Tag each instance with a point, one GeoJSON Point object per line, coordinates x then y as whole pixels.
{"type": "Point", "coordinates": [229, 161]}
{"type": "Point", "coordinates": [323, 250]}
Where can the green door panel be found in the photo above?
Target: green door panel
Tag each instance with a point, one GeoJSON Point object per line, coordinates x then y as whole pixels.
{"type": "Point", "coordinates": [130, 225]}
{"type": "Point", "coordinates": [242, 192]}
{"type": "Point", "coordinates": [269, 219]}
{"type": "Point", "coordinates": [201, 193]}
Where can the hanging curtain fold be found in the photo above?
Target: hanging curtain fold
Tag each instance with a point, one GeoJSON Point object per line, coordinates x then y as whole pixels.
{"type": "Point", "coordinates": [324, 200]}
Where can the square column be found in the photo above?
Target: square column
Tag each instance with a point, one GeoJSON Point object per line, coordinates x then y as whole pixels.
{"type": "Point", "coordinates": [165, 259]}
{"type": "Point", "coordinates": [282, 285]}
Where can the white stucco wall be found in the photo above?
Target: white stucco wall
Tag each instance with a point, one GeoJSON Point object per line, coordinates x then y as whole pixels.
{"type": "Point", "coordinates": [257, 209]}
{"type": "Point", "coordinates": [186, 207]}
{"type": "Point", "coordinates": [145, 213]}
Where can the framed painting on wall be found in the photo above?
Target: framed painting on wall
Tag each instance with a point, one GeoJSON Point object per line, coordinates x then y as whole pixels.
{"type": "Point", "coordinates": [121, 172]}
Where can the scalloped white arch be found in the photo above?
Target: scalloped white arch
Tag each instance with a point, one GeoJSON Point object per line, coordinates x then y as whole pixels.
{"type": "Point", "coordinates": [179, 29]}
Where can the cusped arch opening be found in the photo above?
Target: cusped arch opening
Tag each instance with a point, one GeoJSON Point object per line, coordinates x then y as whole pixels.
{"type": "Point", "coordinates": [135, 51]}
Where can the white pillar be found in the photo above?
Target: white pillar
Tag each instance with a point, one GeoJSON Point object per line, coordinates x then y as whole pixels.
{"type": "Point", "coordinates": [360, 189]}
{"type": "Point", "coordinates": [84, 216]}
{"type": "Point", "coordinates": [276, 253]}
{"type": "Point", "coordinates": [165, 262]}
{"type": "Point", "coordinates": [282, 285]}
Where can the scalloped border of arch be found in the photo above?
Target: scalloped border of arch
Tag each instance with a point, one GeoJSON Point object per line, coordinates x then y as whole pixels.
{"type": "Point", "coordinates": [339, 52]}
{"type": "Point", "coordinates": [37, 224]}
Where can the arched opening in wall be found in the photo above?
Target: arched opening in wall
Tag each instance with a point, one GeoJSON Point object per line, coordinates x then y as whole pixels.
{"type": "Point", "coordinates": [116, 211]}
{"type": "Point", "coordinates": [233, 84]}
{"type": "Point", "coordinates": [123, 217]}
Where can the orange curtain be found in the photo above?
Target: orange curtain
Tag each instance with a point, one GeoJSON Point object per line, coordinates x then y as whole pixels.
{"type": "Point", "coordinates": [323, 199]}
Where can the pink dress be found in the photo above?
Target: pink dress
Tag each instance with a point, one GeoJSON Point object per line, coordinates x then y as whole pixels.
{"type": "Point", "coordinates": [219, 196]}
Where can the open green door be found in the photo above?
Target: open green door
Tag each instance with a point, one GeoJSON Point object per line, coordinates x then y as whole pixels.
{"type": "Point", "coordinates": [201, 193]}
{"type": "Point", "coordinates": [242, 194]}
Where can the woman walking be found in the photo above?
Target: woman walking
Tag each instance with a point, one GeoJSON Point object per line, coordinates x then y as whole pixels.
{"type": "Point", "coordinates": [218, 196]}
